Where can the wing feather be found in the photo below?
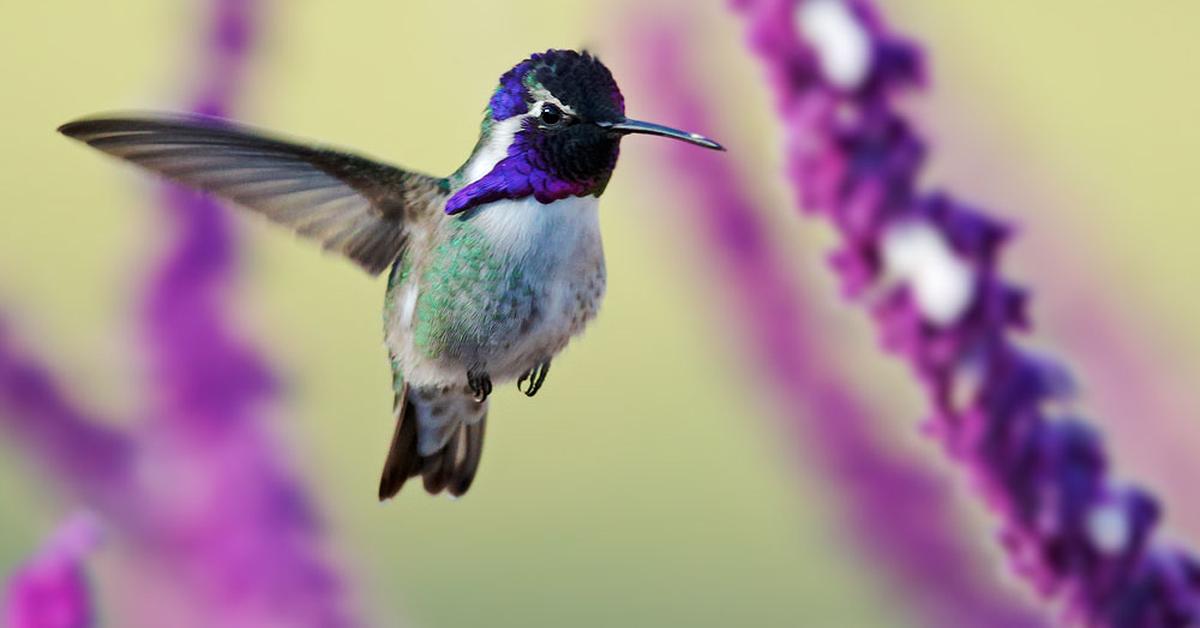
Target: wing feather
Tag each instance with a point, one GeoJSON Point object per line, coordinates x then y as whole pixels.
{"type": "Point", "coordinates": [350, 204]}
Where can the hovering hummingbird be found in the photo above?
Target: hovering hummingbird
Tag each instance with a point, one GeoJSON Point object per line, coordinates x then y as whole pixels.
{"type": "Point", "coordinates": [493, 268]}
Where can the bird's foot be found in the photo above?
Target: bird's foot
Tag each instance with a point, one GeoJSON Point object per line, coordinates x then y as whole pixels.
{"type": "Point", "coordinates": [536, 376]}
{"type": "Point", "coordinates": [480, 384]}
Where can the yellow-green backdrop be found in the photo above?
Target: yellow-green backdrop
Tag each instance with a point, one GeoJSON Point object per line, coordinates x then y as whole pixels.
{"type": "Point", "coordinates": [646, 485]}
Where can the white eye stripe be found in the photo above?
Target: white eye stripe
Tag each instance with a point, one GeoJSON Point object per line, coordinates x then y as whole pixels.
{"type": "Point", "coordinates": [536, 109]}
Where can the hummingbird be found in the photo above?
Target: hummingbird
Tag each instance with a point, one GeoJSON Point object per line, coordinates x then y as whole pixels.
{"type": "Point", "coordinates": [493, 269]}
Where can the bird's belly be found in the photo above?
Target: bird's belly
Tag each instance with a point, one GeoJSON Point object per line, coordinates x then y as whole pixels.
{"type": "Point", "coordinates": [479, 304]}
{"type": "Point", "coordinates": [561, 310]}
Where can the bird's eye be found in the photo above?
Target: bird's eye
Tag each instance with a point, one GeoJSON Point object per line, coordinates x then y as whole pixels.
{"type": "Point", "coordinates": [551, 115]}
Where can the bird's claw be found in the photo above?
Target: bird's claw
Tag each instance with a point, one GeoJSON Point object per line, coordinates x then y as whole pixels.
{"type": "Point", "coordinates": [480, 384]}
{"type": "Point", "coordinates": [536, 376]}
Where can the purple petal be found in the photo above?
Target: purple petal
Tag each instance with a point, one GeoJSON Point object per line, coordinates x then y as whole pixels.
{"type": "Point", "coordinates": [51, 589]}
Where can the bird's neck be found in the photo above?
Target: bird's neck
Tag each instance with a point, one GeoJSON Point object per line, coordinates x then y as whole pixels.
{"type": "Point", "coordinates": [495, 139]}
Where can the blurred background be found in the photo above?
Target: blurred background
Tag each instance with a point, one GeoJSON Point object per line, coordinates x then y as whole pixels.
{"type": "Point", "coordinates": [652, 481]}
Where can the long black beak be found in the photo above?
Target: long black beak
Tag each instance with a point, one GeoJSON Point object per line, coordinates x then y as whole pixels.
{"type": "Point", "coordinates": [627, 126]}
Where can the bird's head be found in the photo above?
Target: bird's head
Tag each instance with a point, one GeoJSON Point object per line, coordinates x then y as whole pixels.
{"type": "Point", "coordinates": [552, 130]}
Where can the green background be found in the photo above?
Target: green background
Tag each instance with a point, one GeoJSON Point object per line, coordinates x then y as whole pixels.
{"type": "Point", "coordinates": [648, 484]}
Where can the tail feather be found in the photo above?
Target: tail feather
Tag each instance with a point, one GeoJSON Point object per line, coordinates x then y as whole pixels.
{"type": "Point", "coordinates": [439, 436]}
{"type": "Point", "coordinates": [468, 457]}
{"type": "Point", "coordinates": [437, 468]}
{"type": "Point", "coordinates": [402, 459]}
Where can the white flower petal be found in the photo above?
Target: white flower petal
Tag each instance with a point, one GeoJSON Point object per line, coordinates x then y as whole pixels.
{"type": "Point", "coordinates": [942, 284]}
{"type": "Point", "coordinates": [1108, 528]}
{"type": "Point", "coordinates": [842, 44]}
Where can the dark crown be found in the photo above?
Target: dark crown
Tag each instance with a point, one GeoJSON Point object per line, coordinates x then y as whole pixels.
{"type": "Point", "coordinates": [578, 79]}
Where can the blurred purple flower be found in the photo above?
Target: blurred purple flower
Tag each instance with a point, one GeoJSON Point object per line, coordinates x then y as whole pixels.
{"type": "Point", "coordinates": [50, 590]}
{"type": "Point", "coordinates": [928, 265]}
{"type": "Point", "coordinates": [899, 512]}
{"type": "Point", "coordinates": [221, 531]}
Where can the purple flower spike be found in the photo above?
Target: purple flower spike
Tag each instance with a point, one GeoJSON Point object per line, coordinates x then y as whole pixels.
{"type": "Point", "coordinates": [51, 590]}
{"type": "Point", "coordinates": [897, 514]}
{"type": "Point", "coordinates": [216, 529]}
{"type": "Point", "coordinates": [931, 264]}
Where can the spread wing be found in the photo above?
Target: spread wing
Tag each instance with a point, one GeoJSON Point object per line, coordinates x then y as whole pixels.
{"type": "Point", "coordinates": [350, 204]}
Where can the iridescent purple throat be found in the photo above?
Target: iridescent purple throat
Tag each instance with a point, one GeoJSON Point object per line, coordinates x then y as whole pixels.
{"type": "Point", "coordinates": [523, 173]}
